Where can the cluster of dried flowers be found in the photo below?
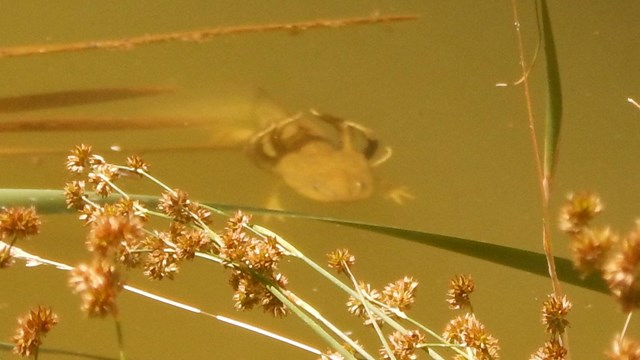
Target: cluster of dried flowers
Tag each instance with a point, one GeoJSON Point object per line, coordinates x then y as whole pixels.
{"type": "Point", "coordinates": [18, 223]}
{"type": "Point", "coordinates": [616, 257]}
{"type": "Point", "coordinates": [395, 298]}
{"type": "Point", "coordinates": [33, 326]}
{"type": "Point", "coordinates": [554, 318]}
{"type": "Point", "coordinates": [466, 330]}
{"type": "Point", "coordinates": [118, 236]}
{"type": "Point", "coordinates": [254, 260]}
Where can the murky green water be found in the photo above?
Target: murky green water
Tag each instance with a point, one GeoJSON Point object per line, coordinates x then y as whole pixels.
{"type": "Point", "coordinates": [426, 87]}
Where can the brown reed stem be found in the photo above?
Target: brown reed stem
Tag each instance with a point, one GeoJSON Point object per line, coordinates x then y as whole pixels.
{"type": "Point", "coordinates": [543, 180]}
{"type": "Point", "coordinates": [198, 35]}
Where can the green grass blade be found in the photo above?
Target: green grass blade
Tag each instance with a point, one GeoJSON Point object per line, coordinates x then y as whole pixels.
{"type": "Point", "coordinates": [554, 94]}
{"type": "Point", "coordinates": [52, 201]}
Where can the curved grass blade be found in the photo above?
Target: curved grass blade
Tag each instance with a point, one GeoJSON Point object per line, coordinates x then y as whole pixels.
{"type": "Point", "coordinates": [52, 201]}
{"type": "Point", "coordinates": [554, 95]}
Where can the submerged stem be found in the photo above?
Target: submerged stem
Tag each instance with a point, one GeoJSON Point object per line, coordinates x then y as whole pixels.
{"type": "Point", "coordinates": [120, 338]}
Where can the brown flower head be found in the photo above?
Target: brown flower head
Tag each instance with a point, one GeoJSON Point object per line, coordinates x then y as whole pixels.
{"type": "Point", "coordinates": [32, 328]}
{"type": "Point", "coordinates": [98, 285]}
{"type": "Point", "coordinates": [79, 159]}
{"type": "Point", "coordinates": [102, 177]}
{"type": "Point", "coordinates": [460, 288]}
{"type": "Point", "coordinates": [551, 350]}
{"type": "Point", "coordinates": [341, 259]}
{"type": "Point", "coordinates": [19, 222]}
{"type": "Point", "coordinates": [161, 260]}
{"type": "Point", "coordinates": [590, 249]}
{"type": "Point", "coordinates": [624, 349]}
{"type": "Point", "coordinates": [201, 212]}
{"type": "Point", "coordinates": [137, 165]}
{"type": "Point", "coordinates": [400, 294]}
{"type": "Point", "coordinates": [110, 232]}
{"type": "Point", "coordinates": [176, 205]}
{"type": "Point", "coordinates": [248, 291]}
{"type": "Point", "coordinates": [190, 241]}
{"type": "Point", "coordinates": [622, 270]}
{"type": "Point", "coordinates": [130, 207]}
{"type": "Point", "coordinates": [237, 222]}
{"type": "Point", "coordinates": [554, 313]}
{"type": "Point", "coordinates": [356, 307]}
{"type": "Point", "coordinates": [580, 209]}
{"type": "Point", "coordinates": [270, 303]}
{"type": "Point", "coordinates": [73, 193]}
{"type": "Point", "coordinates": [259, 253]}
{"type": "Point", "coordinates": [403, 346]}
{"type": "Point", "coordinates": [468, 331]}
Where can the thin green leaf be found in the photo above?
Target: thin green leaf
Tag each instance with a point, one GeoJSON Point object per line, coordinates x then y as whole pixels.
{"type": "Point", "coordinates": [52, 201]}
{"type": "Point", "coordinates": [554, 94]}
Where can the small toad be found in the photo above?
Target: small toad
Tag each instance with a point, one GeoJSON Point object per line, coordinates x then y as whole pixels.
{"type": "Point", "coordinates": [324, 158]}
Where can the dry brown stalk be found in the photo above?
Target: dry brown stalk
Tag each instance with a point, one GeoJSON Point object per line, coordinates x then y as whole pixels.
{"type": "Point", "coordinates": [198, 35]}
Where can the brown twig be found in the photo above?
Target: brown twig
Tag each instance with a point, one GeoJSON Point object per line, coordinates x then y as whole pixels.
{"type": "Point", "coordinates": [197, 35]}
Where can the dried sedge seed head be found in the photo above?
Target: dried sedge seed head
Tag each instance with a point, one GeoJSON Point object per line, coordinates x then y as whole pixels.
{"type": "Point", "coordinates": [250, 292]}
{"type": "Point", "coordinates": [176, 205]}
{"type": "Point", "coordinates": [73, 193]}
{"type": "Point", "coordinates": [190, 241]}
{"type": "Point", "coordinates": [270, 303]}
{"type": "Point", "coordinates": [590, 249]}
{"type": "Point", "coordinates": [258, 253]}
{"type": "Point", "coordinates": [624, 349]}
{"type": "Point", "coordinates": [579, 210]}
{"type": "Point", "coordinates": [89, 213]}
{"type": "Point", "coordinates": [201, 213]}
{"type": "Point", "coordinates": [128, 207]}
{"type": "Point", "coordinates": [98, 285]}
{"type": "Point", "coordinates": [101, 177]}
{"type": "Point", "coordinates": [341, 260]}
{"type": "Point", "coordinates": [400, 294]}
{"type": "Point", "coordinates": [110, 232]}
{"type": "Point", "coordinates": [355, 306]}
{"type": "Point", "coordinates": [19, 222]}
{"type": "Point", "coordinates": [137, 165]}
{"type": "Point", "coordinates": [32, 328]}
{"type": "Point", "coordinates": [403, 346]}
{"type": "Point", "coordinates": [161, 260]}
{"type": "Point", "coordinates": [622, 271]}
{"type": "Point", "coordinates": [468, 331]}
{"type": "Point", "coordinates": [460, 289]}
{"type": "Point", "coordinates": [237, 222]}
{"type": "Point", "coordinates": [551, 350]}
{"type": "Point", "coordinates": [79, 158]}
{"type": "Point", "coordinates": [554, 313]}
